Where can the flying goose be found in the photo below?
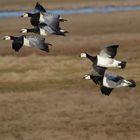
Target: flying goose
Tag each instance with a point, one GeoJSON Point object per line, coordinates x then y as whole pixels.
{"type": "Point", "coordinates": [29, 41]}
{"type": "Point", "coordinates": [109, 81]}
{"type": "Point", "coordinates": [106, 57]}
{"type": "Point", "coordinates": [43, 29]}
{"type": "Point", "coordinates": [40, 15]}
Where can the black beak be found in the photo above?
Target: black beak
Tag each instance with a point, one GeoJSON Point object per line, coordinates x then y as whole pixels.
{"type": "Point", "coordinates": [49, 44]}
{"type": "Point", "coordinates": [62, 20]}
{"type": "Point", "coordinates": [67, 32]}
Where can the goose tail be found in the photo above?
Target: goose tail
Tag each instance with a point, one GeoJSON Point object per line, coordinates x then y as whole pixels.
{"type": "Point", "coordinates": [123, 64]}
{"type": "Point", "coordinates": [132, 83]}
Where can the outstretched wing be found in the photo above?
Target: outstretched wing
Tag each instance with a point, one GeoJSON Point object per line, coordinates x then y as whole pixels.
{"type": "Point", "coordinates": [105, 90]}
{"type": "Point", "coordinates": [47, 28]}
{"type": "Point", "coordinates": [47, 14]}
{"type": "Point", "coordinates": [38, 42]}
{"type": "Point", "coordinates": [109, 51]}
{"type": "Point", "coordinates": [97, 70]}
{"type": "Point", "coordinates": [39, 8]}
{"type": "Point", "coordinates": [35, 41]}
{"type": "Point", "coordinates": [53, 22]}
{"type": "Point", "coordinates": [97, 74]}
{"type": "Point", "coordinates": [115, 78]}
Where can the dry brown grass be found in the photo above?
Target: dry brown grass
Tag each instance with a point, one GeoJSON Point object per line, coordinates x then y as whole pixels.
{"type": "Point", "coordinates": [43, 96]}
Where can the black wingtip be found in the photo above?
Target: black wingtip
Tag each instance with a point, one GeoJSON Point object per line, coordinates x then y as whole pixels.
{"type": "Point", "coordinates": [105, 90]}
{"type": "Point", "coordinates": [40, 7]}
{"type": "Point", "coordinates": [37, 4]}
{"type": "Point", "coordinates": [133, 83]}
{"type": "Point", "coordinates": [123, 64]}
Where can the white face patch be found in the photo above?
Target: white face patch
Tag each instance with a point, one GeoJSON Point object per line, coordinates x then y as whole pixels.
{"type": "Point", "coordinates": [7, 38]}
{"type": "Point", "coordinates": [26, 42]}
{"type": "Point", "coordinates": [62, 31]}
{"type": "Point", "coordinates": [83, 55]}
{"type": "Point", "coordinates": [60, 18]}
{"type": "Point", "coordinates": [23, 30]}
{"type": "Point", "coordinates": [42, 32]}
{"type": "Point", "coordinates": [25, 15]}
{"type": "Point", "coordinates": [87, 77]}
{"type": "Point", "coordinates": [42, 19]}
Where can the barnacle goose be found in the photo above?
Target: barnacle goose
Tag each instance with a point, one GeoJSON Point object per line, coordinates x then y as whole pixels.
{"type": "Point", "coordinates": [29, 41]}
{"type": "Point", "coordinates": [40, 15]}
{"type": "Point", "coordinates": [106, 57]}
{"type": "Point", "coordinates": [107, 81]}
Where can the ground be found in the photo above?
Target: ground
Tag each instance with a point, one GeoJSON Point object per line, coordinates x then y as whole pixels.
{"type": "Point", "coordinates": [43, 95]}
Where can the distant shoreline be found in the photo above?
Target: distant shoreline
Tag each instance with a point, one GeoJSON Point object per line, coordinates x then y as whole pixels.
{"type": "Point", "coordinates": [22, 5]}
{"type": "Point", "coordinates": [87, 10]}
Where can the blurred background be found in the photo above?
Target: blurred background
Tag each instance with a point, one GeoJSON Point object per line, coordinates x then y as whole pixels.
{"type": "Point", "coordinates": [43, 95]}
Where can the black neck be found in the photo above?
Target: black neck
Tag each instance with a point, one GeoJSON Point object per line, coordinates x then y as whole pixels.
{"type": "Point", "coordinates": [33, 15]}
{"type": "Point", "coordinates": [13, 37]}
{"type": "Point", "coordinates": [92, 58]}
{"type": "Point", "coordinates": [97, 79]}
{"type": "Point", "coordinates": [33, 30]}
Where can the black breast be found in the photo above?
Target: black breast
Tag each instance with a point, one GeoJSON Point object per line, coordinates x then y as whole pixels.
{"type": "Point", "coordinates": [34, 21]}
{"type": "Point", "coordinates": [17, 44]}
{"type": "Point", "coordinates": [93, 59]}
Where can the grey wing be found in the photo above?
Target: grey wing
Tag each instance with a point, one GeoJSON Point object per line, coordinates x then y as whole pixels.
{"type": "Point", "coordinates": [97, 74]}
{"type": "Point", "coordinates": [39, 8]}
{"type": "Point", "coordinates": [97, 70]}
{"type": "Point", "coordinates": [50, 15]}
{"type": "Point", "coordinates": [114, 78]}
{"type": "Point", "coordinates": [48, 30]}
{"type": "Point", "coordinates": [109, 51]}
{"type": "Point", "coordinates": [53, 22]}
{"type": "Point", "coordinates": [36, 41]}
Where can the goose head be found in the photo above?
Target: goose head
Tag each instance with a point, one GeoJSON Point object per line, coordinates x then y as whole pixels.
{"type": "Point", "coordinates": [83, 55]}
{"type": "Point", "coordinates": [25, 15]}
{"type": "Point", "coordinates": [28, 14]}
{"type": "Point", "coordinates": [61, 19]}
{"type": "Point", "coordinates": [63, 31]}
{"type": "Point", "coordinates": [24, 30]}
{"type": "Point", "coordinates": [87, 77]}
{"type": "Point", "coordinates": [7, 37]}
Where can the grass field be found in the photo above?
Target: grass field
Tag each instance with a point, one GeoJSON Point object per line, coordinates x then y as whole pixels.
{"type": "Point", "coordinates": [43, 96]}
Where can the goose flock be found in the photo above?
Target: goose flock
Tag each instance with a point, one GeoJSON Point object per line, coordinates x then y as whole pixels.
{"type": "Point", "coordinates": [49, 24]}
{"type": "Point", "coordinates": [44, 24]}
{"type": "Point", "coordinates": [106, 81]}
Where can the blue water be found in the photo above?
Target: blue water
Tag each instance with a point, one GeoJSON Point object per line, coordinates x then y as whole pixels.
{"type": "Point", "coordinates": [76, 11]}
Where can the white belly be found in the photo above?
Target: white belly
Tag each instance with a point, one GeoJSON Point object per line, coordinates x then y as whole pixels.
{"type": "Point", "coordinates": [42, 32]}
{"type": "Point", "coordinates": [107, 62]}
{"type": "Point", "coordinates": [26, 42]}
